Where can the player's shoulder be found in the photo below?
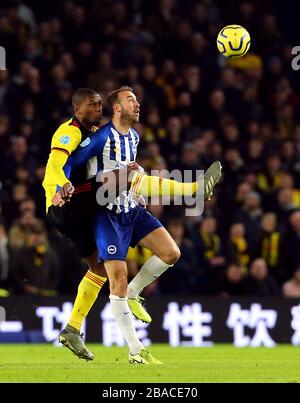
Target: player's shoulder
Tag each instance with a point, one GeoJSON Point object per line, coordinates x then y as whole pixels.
{"type": "Point", "coordinates": [68, 128]}
{"type": "Point", "coordinates": [99, 137]}
{"type": "Point", "coordinates": [104, 132]}
{"type": "Point", "coordinates": [135, 134]}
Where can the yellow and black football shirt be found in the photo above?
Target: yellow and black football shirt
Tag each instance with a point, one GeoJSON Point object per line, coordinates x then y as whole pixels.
{"type": "Point", "coordinates": [64, 142]}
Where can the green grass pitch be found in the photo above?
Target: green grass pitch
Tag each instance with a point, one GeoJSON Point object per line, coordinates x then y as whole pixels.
{"type": "Point", "coordinates": [222, 363]}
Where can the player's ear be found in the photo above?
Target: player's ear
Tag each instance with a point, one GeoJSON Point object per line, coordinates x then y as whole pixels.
{"type": "Point", "coordinates": [117, 108]}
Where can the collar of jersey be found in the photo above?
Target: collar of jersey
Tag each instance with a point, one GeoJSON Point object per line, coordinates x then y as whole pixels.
{"type": "Point", "coordinates": [82, 128]}
{"type": "Point", "coordinates": [121, 134]}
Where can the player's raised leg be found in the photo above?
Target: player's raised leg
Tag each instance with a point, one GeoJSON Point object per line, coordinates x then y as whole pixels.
{"type": "Point", "coordinates": [131, 178]}
{"type": "Point", "coordinates": [146, 185]}
{"type": "Point", "coordinates": [117, 274]}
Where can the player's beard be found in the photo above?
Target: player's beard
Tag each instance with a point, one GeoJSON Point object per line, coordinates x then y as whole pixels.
{"type": "Point", "coordinates": [130, 118]}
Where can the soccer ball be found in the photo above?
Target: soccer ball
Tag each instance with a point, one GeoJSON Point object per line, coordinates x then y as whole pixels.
{"type": "Point", "coordinates": [233, 41]}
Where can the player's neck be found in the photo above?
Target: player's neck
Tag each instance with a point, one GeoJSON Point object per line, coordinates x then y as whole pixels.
{"type": "Point", "coordinates": [121, 126]}
{"type": "Point", "coordinates": [85, 124]}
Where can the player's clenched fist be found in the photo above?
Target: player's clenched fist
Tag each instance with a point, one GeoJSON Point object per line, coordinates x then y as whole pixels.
{"type": "Point", "coordinates": [66, 191]}
{"type": "Point", "coordinates": [63, 195]}
{"type": "Point", "coordinates": [57, 200]}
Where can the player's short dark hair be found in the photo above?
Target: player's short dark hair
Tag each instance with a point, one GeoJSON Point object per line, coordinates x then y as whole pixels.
{"type": "Point", "coordinates": [81, 95]}
{"type": "Point", "coordinates": [113, 96]}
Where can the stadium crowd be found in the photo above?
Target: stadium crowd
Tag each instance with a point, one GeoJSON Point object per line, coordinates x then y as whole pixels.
{"type": "Point", "coordinates": [196, 107]}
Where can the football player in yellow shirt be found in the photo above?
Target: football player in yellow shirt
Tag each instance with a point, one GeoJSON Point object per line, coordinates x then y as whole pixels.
{"type": "Point", "coordinates": [75, 219]}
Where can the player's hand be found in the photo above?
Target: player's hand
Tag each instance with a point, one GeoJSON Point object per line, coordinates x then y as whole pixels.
{"type": "Point", "coordinates": [67, 191]}
{"type": "Point", "coordinates": [57, 200]}
{"type": "Point", "coordinates": [134, 166]}
{"type": "Point", "coordinates": [140, 200]}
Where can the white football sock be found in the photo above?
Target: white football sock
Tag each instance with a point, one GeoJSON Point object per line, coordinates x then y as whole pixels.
{"type": "Point", "coordinates": [123, 316]}
{"type": "Point", "coordinates": [152, 269]}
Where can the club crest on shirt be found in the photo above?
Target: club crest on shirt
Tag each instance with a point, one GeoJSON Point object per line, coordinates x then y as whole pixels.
{"type": "Point", "coordinates": [86, 142]}
{"type": "Point", "coordinates": [65, 139]}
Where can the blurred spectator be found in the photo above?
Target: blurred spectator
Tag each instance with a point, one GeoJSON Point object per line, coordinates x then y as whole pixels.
{"type": "Point", "coordinates": [291, 288]}
{"type": "Point", "coordinates": [4, 257]}
{"type": "Point", "coordinates": [255, 155]}
{"type": "Point", "coordinates": [17, 156]}
{"type": "Point", "coordinates": [287, 182]}
{"type": "Point", "coordinates": [232, 283]}
{"type": "Point", "coordinates": [153, 131]}
{"type": "Point", "coordinates": [259, 282]}
{"type": "Point", "coordinates": [231, 136]}
{"type": "Point", "coordinates": [237, 248]}
{"type": "Point", "coordinates": [189, 158]}
{"type": "Point", "coordinates": [4, 139]}
{"type": "Point", "coordinates": [171, 144]}
{"type": "Point", "coordinates": [250, 215]}
{"type": "Point", "coordinates": [269, 245]}
{"type": "Point", "coordinates": [209, 253]}
{"type": "Point", "coordinates": [291, 245]}
{"type": "Point", "coordinates": [234, 200]}
{"type": "Point", "coordinates": [216, 108]}
{"type": "Point", "coordinates": [269, 180]}
{"type": "Point", "coordinates": [284, 206]}
{"type": "Point", "coordinates": [288, 155]}
{"type": "Point", "coordinates": [234, 166]}
{"type": "Point", "coordinates": [21, 227]}
{"type": "Point", "coordinates": [35, 265]}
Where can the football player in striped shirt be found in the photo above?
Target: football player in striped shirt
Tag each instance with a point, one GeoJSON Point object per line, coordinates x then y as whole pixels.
{"type": "Point", "coordinates": [76, 218]}
{"type": "Point", "coordinates": [124, 223]}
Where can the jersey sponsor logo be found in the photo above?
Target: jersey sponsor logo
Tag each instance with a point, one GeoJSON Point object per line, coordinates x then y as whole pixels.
{"type": "Point", "coordinates": [65, 139]}
{"type": "Point", "coordinates": [112, 249]}
{"type": "Point", "coordinates": [86, 142]}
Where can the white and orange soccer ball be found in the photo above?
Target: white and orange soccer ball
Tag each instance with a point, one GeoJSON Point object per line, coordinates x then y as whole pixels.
{"type": "Point", "coordinates": [233, 41]}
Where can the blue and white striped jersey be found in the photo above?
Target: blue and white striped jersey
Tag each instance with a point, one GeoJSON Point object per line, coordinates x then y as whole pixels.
{"type": "Point", "coordinates": [106, 150]}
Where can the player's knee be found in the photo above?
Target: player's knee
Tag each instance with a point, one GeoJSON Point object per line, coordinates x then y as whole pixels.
{"type": "Point", "coordinates": [171, 255]}
{"type": "Point", "coordinates": [175, 254]}
{"type": "Point", "coordinates": [98, 269]}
